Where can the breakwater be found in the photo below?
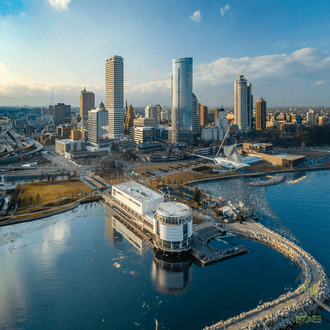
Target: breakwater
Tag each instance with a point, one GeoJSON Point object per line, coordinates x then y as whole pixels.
{"type": "Point", "coordinates": [271, 181]}
{"type": "Point", "coordinates": [281, 312]}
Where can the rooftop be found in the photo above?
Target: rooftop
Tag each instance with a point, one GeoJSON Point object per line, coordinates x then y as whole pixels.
{"type": "Point", "coordinates": [173, 209]}
{"type": "Point", "coordinates": [138, 191]}
{"type": "Point", "coordinates": [290, 156]}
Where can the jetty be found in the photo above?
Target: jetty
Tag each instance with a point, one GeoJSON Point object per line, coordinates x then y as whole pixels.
{"type": "Point", "coordinates": [283, 311]}
{"type": "Point", "coordinates": [272, 180]}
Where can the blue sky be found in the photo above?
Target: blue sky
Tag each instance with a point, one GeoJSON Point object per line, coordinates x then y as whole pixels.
{"type": "Point", "coordinates": [280, 47]}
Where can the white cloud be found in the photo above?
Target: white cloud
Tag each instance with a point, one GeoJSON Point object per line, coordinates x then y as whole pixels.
{"type": "Point", "coordinates": [196, 16]}
{"type": "Point", "coordinates": [321, 82]}
{"type": "Point", "coordinates": [224, 9]}
{"type": "Point", "coordinates": [2, 68]}
{"type": "Point", "coordinates": [60, 4]}
{"type": "Point", "coordinates": [286, 79]}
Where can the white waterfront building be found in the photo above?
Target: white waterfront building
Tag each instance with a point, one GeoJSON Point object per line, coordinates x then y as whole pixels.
{"type": "Point", "coordinates": [173, 226]}
{"type": "Point", "coordinates": [170, 222]}
{"type": "Point", "coordinates": [137, 197]}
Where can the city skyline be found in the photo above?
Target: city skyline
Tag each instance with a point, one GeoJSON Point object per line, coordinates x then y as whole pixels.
{"type": "Point", "coordinates": [287, 60]}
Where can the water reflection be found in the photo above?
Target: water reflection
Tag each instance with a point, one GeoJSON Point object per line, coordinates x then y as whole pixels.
{"type": "Point", "coordinates": [296, 177]}
{"type": "Point", "coordinates": [170, 273]}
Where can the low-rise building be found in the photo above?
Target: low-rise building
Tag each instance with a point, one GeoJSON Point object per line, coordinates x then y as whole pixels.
{"type": "Point", "coordinates": [65, 147]}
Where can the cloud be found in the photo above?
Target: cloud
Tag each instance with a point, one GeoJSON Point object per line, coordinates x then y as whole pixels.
{"type": "Point", "coordinates": [196, 16]}
{"type": "Point", "coordinates": [285, 79]}
{"type": "Point", "coordinates": [2, 68]}
{"type": "Point", "coordinates": [224, 9]}
{"type": "Point", "coordinates": [281, 79]}
{"type": "Point", "coordinates": [60, 4]}
{"type": "Point", "coordinates": [321, 82]}
{"type": "Point", "coordinates": [157, 21]}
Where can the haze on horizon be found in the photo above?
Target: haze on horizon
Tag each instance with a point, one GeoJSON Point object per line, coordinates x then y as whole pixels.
{"type": "Point", "coordinates": [282, 49]}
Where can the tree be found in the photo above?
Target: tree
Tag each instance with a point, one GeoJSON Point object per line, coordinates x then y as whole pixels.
{"type": "Point", "coordinates": [38, 198]}
{"type": "Point", "coordinates": [30, 200]}
{"type": "Point", "coordinates": [197, 195]}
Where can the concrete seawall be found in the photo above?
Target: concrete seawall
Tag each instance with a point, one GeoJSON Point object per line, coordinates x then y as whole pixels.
{"type": "Point", "coordinates": [281, 312]}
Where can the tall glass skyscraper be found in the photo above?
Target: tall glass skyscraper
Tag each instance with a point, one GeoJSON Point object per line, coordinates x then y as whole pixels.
{"type": "Point", "coordinates": [182, 100]}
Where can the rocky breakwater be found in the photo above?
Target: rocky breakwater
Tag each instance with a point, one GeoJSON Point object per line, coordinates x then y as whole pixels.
{"type": "Point", "coordinates": [271, 181]}
{"type": "Point", "coordinates": [312, 273]}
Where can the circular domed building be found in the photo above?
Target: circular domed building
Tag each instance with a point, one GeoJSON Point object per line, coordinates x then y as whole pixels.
{"type": "Point", "coordinates": [173, 226]}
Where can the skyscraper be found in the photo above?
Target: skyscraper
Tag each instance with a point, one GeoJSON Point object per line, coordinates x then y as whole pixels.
{"type": "Point", "coordinates": [249, 105]}
{"type": "Point", "coordinates": [153, 111]}
{"type": "Point", "coordinates": [196, 117]}
{"type": "Point", "coordinates": [261, 114]}
{"type": "Point", "coordinates": [97, 125]}
{"type": "Point", "coordinates": [114, 95]}
{"type": "Point", "coordinates": [241, 107]}
{"type": "Point", "coordinates": [204, 112]}
{"type": "Point", "coordinates": [87, 103]}
{"type": "Point", "coordinates": [62, 113]}
{"type": "Point", "coordinates": [129, 119]}
{"type": "Point", "coordinates": [182, 100]}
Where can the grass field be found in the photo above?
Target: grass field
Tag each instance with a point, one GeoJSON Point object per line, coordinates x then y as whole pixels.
{"type": "Point", "coordinates": [118, 180]}
{"type": "Point", "coordinates": [50, 191]}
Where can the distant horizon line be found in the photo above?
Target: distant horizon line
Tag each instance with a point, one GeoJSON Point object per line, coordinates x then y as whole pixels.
{"type": "Point", "coordinates": [209, 106]}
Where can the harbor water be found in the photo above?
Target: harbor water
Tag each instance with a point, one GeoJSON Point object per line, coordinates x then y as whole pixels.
{"type": "Point", "coordinates": [85, 270]}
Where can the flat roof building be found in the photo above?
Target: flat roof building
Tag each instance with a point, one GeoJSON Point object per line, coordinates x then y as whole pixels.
{"type": "Point", "coordinates": [139, 198]}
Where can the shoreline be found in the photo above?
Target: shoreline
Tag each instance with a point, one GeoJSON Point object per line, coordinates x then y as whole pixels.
{"type": "Point", "coordinates": [65, 208]}
{"type": "Point", "coordinates": [257, 174]}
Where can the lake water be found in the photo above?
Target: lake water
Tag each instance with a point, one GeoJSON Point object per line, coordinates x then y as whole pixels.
{"type": "Point", "coordinates": [85, 270]}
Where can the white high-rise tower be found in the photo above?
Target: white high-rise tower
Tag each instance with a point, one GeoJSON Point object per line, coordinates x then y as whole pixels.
{"type": "Point", "coordinates": [114, 95]}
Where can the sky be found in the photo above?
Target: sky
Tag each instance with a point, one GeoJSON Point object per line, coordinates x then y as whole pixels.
{"type": "Point", "coordinates": [281, 47]}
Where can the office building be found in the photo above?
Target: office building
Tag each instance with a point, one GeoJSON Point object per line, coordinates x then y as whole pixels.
{"type": "Point", "coordinates": [210, 133]}
{"type": "Point", "coordinates": [153, 111]}
{"type": "Point", "coordinates": [311, 116]}
{"type": "Point", "coordinates": [221, 121]}
{"type": "Point", "coordinates": [66, 147]}
{"type": "Point", "coordinates": [261, 114]}
{"type": "Point", "coordinates": [62, 113]}
{"type": "Point", "coordinates": [203, 115]}
{"type": "Point", "coordinates": [182, 100]}
{"type": "Point", "coordinates": [98, 126]}
{"type": "Point", "coordinates": [142, 134]}
{"type": "Point", "coordinates": [144, 122]}
{"type": "Point", "coordinates": [129, 119]}
{"type": "Point", "coordinates": [249, 105]}
{"type": "Point", "coordinates": [114, 95]}
{"type": "Point", "coordinates": [196, 117]}
{"type": "Point", "coordinates": [241, 108]}
{"type": "Point", "coordinates": [87, 103]}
